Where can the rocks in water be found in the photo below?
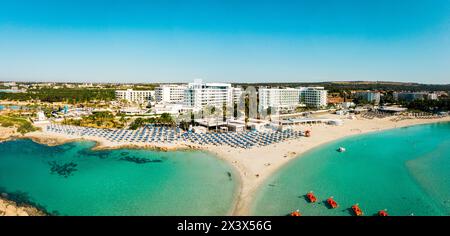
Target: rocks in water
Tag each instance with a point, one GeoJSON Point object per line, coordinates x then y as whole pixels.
{"type": "Point", "coordinates": [139, 160]}
{"type": "Point", "coordinates": [229, 175]}
{"type": "Point", "coordinates": [64, 170]}
{"type": "Point", "coordinates": [55, 213]}
{"type": "Point", "coordinates": [124, 153]}
{"type": "Point", "coordinates": [98, 154]}
{"type": "Point", "coordinates": [19, 203]}
{"type": "Point", "coordinates": [63, 148]}
{"type": "Point", "coordinates": [10, 208]}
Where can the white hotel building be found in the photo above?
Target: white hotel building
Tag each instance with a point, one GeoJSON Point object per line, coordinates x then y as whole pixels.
{"type": "Point", "coordinates": [170, 93]}
{"type": "Point", "coordinates": [314, 96]}
{"type": "Point", "coordinates": [137, 96]}
{"type": "Point", "coordinates": [278, 98]}
{"type": "Point", "coordinates": [289, 98]}
{"type": "Point", "coordinates": [236, 93]}
{"type": "Point", "coordinates": [199, 95]}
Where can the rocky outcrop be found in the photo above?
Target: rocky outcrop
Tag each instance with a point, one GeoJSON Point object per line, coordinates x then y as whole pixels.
{"type": "Point", "coordinates": [10, 208]}
{"type": "Point", "coordinates": [48, 141]}
{"type": "Point", "coordinates": [6, 133]}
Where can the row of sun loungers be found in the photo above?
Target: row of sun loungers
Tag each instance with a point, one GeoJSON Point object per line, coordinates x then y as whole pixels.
{"type": "Point", "coordinates": [242, 140]}
{"type": "Point", "coordinates": [376, 114]}
{"type": "Point", "coordinates": [158, 134]}
{"type": "Point", "coordinates": [417, 116]}
{"type": "Point", "coordinates": [145, 134]}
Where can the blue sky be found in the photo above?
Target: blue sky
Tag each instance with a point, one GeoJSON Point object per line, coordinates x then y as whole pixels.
{"type": "Point", "coordinates": [229, 41]}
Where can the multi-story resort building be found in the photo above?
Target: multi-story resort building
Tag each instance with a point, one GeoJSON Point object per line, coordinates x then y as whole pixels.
{"type": "Point", "coordinates": [411, 96]}
{"type": "Point", "coordinates": [313, 96]}
{"type": "Point", "coordinates": [432, 96]}
{"type": "Point", "coordinates": [137, 96]}
{"type": "Point", "coordinates": [199, 95]}
{"type": "Point", "coordinates": [289, 98]}
{"type": "Point", "coordinates": [9, 84]}
{"type": "Point", "coordinates": [369, 96]}
{"type": "Point", "coordinates": [237, 92]}
{"type": "Point", "coordinates": [170, 93]}
{"type": "Point", "coordinates": [278, 98]}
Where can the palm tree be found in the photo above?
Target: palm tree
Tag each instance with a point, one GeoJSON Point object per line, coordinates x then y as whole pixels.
{"type": "Point", "coordinates": [122, 119]}
{"type": "Point", "coordinates": [224, 112]}
{"type": "Point", "coordinates": [213, 112]}
{"type": "Point", "coordinates": [247, 109]}
{"type": "Point", "coordinates": [166, 118]}
{"type": "Point", "coordinates": [269, 113]}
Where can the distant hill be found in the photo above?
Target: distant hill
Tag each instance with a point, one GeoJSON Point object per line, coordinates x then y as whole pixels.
{"type": "Point", "coordinates": [332, 86]}
{"type": "Point", "coordinates": [360, 85]}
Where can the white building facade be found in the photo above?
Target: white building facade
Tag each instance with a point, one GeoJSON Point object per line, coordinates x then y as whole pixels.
{"type": "Point", "coordinates": [171, 93]}
{"type": "Point", "coordinates": [432, 96]}
{"type": "Point", "coordinates": [278, 98]}
{"type": "Point", "coordinates": [137, 96]}
{"type": "Point", "coordinates": [199, 95]}
{"type": "Point", "coordinates": [237, 92]}
{"type": "Point", "coordinates": [369, 96]}
{"type": "Point", "coordinates": [411, 96]}
{"type": "Point", "coordinates": [314, 96]}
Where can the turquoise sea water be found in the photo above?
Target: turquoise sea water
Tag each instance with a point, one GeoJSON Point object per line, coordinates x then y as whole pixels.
{"type": "Point", "coordinates": [406, 171]}
{"type": "Point", "coordinates": [13, 107]}
{"type": "Point", "coordinates": [112, 182]}
{"type": "Point", "coordinates": [9, 91]}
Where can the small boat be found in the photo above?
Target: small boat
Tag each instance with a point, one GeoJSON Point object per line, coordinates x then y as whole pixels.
{"type": "Point", "coordinates": [295, 213]}
{"type": "Point", "coordinates": [356, 210]}
{"type": "Point", "coordinates": [383, 213]}
{"type": "Point", "coordinates": [332, 203]}
{"type": "Point", "coordinates": [341, 149]}
{"type": "Point", "coordinates": [311, 197]}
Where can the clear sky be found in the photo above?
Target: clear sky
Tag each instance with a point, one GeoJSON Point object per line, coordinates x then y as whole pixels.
{"type": "Point", "coordinates": [227, 41]}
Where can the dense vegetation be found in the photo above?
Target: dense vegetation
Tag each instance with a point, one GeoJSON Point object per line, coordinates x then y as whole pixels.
{"type": "Point", "coordinates": [102, 119]}
{"type": "Point", "coordinates": [144, 86]}
{"type": "Point", "coordinates": [164, 119]}
{"type": "Point", "coordinates": [387, 98]}
{"type": "Point", "coordinates": [23, 125]}
{"type": "Point", "coordinates": [429, 105]}
{"type": "Point", "coordinates": [69, 95]}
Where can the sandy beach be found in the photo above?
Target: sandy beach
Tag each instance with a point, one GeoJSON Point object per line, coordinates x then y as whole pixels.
{"type": "Point", "coordinates": [254, 165]}
{"type": "Point", "coordinates": [257, 164]}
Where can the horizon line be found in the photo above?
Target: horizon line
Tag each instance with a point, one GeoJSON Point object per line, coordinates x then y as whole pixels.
{"type": "Point", "coordinates": [271, 82]}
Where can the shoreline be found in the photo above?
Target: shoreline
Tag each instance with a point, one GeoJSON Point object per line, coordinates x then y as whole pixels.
{"type": "Point", "coordinates": [11, 208]}
{"type": "Point", "coordinates": [252, 166]}
{"type": "Point", "coordinates": [282, 154]}
{"type": "Point", "coordinates": [249, 208]}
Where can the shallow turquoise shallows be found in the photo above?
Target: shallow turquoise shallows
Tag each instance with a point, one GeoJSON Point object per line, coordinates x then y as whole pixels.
{"type": "Point", "coordinates": [73, 180]}
{"type": "Point", "coordinates": [406, 171]}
